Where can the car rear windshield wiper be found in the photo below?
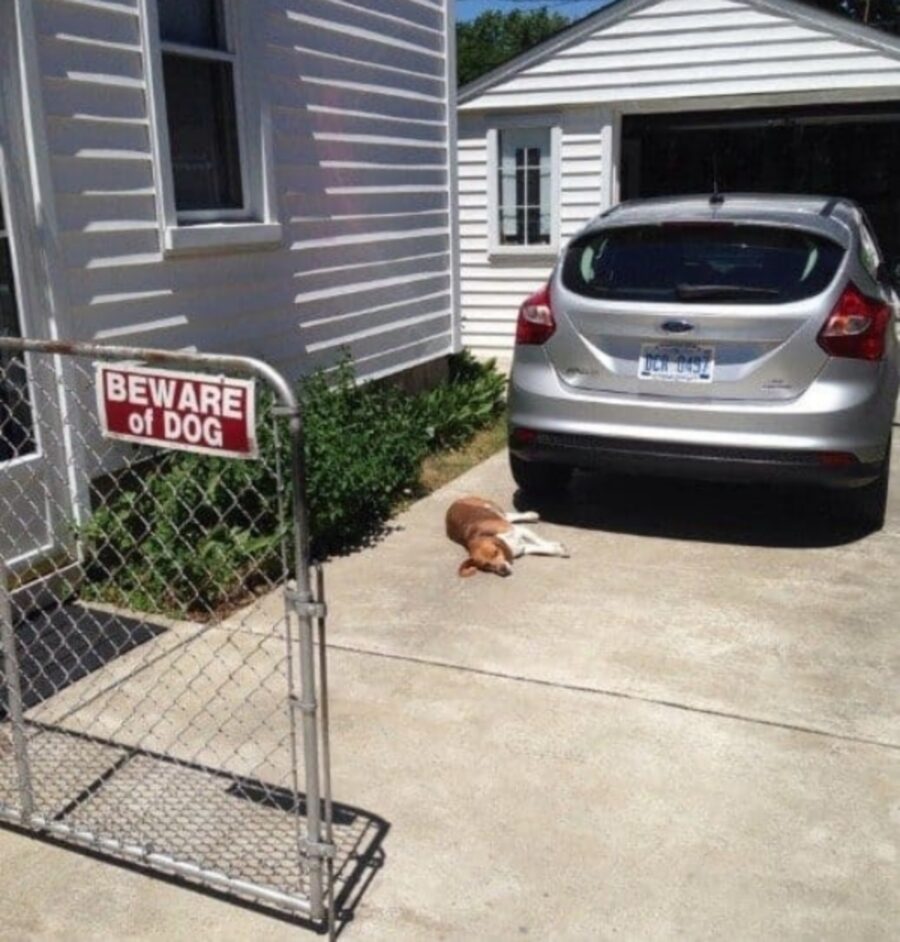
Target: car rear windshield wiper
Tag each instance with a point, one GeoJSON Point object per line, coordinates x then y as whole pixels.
{"type": "Point", "coordinates": [723, 292]}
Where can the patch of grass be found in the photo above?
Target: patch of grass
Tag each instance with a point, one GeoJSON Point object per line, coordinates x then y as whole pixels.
{"type": "Point", "coordinates": [440, 469]}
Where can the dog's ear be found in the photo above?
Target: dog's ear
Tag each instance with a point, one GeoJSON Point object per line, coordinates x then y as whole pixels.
{"type": "Point", "coordinates": [468, 568]}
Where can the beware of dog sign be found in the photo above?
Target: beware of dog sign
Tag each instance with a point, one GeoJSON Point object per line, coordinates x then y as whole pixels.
{"type": "Point", "coordinates": [209, 415]}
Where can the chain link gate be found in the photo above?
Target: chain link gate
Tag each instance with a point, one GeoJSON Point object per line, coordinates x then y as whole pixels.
{"type": "Point", "coordinates": [161, 700]}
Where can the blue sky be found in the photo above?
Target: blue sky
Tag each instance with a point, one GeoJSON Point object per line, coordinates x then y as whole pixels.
{"type": "Point", "coordinates": [467, 9]}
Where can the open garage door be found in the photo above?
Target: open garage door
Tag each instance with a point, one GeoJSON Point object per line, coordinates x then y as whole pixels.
{"type": "Point", "coordinates": [849, 151]}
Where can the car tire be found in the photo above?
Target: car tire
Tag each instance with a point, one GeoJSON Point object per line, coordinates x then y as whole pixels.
{"type": "Point", "coordinates": [540, 479]}
{"type": "Point", "coordinates": [868, 504]}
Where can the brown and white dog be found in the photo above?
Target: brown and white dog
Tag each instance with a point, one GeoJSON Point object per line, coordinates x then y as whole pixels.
{"type": "Point", "coordinates": [492, 538]}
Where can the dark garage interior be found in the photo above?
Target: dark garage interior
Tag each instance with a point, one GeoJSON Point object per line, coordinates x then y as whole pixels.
{"type": "Point", "coordinates": [849, 150]}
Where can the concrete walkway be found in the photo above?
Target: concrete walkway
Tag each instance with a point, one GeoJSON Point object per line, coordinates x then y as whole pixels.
{"type": "Point", "coordinates": [690, 729]}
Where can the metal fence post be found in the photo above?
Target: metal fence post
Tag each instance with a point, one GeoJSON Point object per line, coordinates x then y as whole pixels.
{"type": "Point", "coordinates": [14, 696]}
{"type": "Point", "coordinates": [307, 609]}
{"type": "Point", "coordinates": [326, 744]}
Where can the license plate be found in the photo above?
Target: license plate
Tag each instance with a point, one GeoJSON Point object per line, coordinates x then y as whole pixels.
{"type": "Point", "coordinates": [677, 363]}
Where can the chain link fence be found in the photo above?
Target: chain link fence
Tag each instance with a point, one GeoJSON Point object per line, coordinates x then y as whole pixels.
{"type": "Point", "coordinates": [162, 699]}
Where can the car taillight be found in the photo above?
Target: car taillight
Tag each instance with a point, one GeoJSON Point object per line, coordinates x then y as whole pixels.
{"type": "Point", "coordinates": [857, 327]}
{"type": "Point", "coordinates": [523, 436]}
{"type": "Point", "coordinates": [837, 459]}
{"type": "Point", "coordinates": [536, 324]}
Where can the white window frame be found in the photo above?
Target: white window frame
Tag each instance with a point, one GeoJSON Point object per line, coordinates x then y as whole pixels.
{"type": "Point", "coordinates": [255, 224]}
{"type": "Point", "coordinates": [496, 248]}
{"type": "Point", "coordinates": [229, 56]}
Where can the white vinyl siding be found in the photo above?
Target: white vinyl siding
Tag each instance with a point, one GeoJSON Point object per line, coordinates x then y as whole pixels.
{"type": "Point", "coordinates": [358, 112]}
{"type": "Point", "coordinates": [678, 49]}
{"type": "Point", "coordinates": [493, 287]}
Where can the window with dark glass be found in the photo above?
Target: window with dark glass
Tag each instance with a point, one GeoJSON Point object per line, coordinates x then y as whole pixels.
{"type": "Point", "coordinates": [524, 186]}
{"type": "Point", "coordinates": [700, 263]}
{"type": "Point", "coordinates": [16, 426]}
{"type": "Point", "coordinates": [201, 109]}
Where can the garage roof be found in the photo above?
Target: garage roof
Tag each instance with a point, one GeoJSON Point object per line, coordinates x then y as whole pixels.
{"type": "Point", "coordinates": [821, 21]}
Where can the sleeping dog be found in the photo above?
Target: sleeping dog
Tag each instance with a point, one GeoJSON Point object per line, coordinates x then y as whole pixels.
{"type": "Point", "coordinates": [492, 538]}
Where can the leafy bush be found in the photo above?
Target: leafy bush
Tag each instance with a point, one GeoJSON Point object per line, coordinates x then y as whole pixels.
{"type": "Point", "coordinates": [189, 534]}
{"type": "Point", "coordinates": [471, 399]}
{"type": "Point", "coordinates": [364, 447]}
{"type": "Point", "coordinates": [186, 533]}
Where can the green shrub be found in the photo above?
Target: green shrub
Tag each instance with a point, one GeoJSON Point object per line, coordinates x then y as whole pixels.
{"type": "Point", "coordinates": [471, 399]}
{"type": "Point", "coordinates": [188, 534]}
{"type": "Point", "coordinates": [364, 447]}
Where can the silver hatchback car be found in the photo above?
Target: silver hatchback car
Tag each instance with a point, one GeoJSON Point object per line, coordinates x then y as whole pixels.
{"type": "Point", "coordinates": [732, 337]}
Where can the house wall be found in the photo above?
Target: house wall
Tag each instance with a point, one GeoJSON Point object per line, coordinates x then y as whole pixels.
{"type": "Point", "coordinates": [670, 55]}
{"type": "Point", "coordinates": [493, 286]}
{"type": "Point", "coordinates": [359, 103]}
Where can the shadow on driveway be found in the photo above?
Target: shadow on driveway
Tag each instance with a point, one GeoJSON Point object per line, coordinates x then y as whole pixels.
{"type": "Point", "coordinates": [742, 514]}
{"type": "Point", "coordinates": [61, 644]}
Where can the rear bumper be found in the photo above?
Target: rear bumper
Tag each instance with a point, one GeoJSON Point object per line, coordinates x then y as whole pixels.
{"type": "Point", "coordinates": [625, 456]}
{"type": "Point", "coordinates": [849, 410]}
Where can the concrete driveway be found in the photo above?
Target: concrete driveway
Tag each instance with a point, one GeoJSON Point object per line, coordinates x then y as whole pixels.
{"type": "Point", "coordinates": [687, 730]}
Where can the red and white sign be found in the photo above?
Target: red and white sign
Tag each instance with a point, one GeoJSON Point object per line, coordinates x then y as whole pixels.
{"type": "Point", "coordinates": [210, 415]}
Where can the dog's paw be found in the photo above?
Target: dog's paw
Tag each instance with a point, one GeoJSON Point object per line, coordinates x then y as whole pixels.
{"type": "Point", "coordinates": [561, 551]}
{"type": "Point", "coordinates": [531, 516]}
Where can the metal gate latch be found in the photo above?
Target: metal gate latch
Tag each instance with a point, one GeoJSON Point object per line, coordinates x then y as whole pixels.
{"type": "Point", "coordinates": [304, 607]}
{"type": "Point", "coordinates": [321, 850]}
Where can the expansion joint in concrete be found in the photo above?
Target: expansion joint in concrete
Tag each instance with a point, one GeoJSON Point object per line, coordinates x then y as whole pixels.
{"type": "Point", "coordinates": [622, 695]}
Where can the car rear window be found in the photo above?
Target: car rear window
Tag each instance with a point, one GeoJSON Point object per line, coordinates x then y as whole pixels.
{"type": "Point", "coordinates": [699, 263]}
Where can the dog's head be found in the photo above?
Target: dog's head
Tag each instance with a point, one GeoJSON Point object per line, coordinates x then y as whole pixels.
{"type": "Point", "coordinates": [487, 554]}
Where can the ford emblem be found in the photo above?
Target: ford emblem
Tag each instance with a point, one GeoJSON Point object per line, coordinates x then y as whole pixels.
{"type": "Point", "coordinates": [677, 327]}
